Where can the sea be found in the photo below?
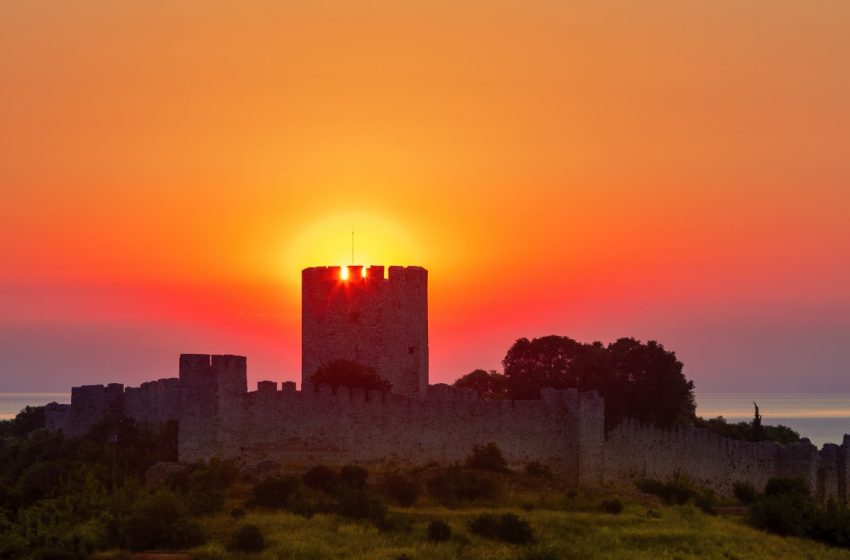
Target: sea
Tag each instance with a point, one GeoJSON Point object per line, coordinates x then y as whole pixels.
{"type": "Point", "coordinates": [821, 417]}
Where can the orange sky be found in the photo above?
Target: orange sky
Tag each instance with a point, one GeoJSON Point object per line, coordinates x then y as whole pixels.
{"type": "Point", "coordinates": [661, 169]}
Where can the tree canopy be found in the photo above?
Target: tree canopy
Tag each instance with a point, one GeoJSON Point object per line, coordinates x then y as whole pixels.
{"type": "Point", "coordinates": [638, 380]}
{"type": "Point", "coordinates": [489, 384]}
{"type": "Point", "coordinates": [345, 373]}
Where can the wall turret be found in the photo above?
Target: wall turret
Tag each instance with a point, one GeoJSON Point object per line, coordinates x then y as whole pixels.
{"type": "Point", "coordinates": [211, 389]}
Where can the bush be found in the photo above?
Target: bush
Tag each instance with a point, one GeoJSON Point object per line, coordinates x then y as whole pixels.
{"type": "Point", "coordinates": [744, 492]}
{"type": "Point", "coordinates": [832, 525]}
{"type": "Point", "coordinates": [205, 484]}
{"type": "Point", "coordinates": [613, 506]}
{"type": "Point", "coordinates": [539, 470]}
{"type": "Point", "coordinates": [776, 486]}
{"type": "Point", "coordinates": [454, 485]}
{"type": "Point", "coordinates": [237, 513]}
{"type": "Point", "coordinates": [361, 504]}
{"type": "Point", "coordinates": [783, 514]}
{"type": "Point", "coordinates": [439, 531]}
{"type": "Point", "coordinates": [247, 538]}
{"type": "Point", "coordinates": [679, 490]}
{"type": "Point", "coordinates": [487, 457]}
{"type": "Point", "coordinates": [403, 489]}
{"type": "Point", "coordinates": [508, 528]}
{"type": "Point", "coordinates": [323, 478]}
{"type": "Point", "coordinates": [160, 520]}
{"type": "Point", "coordinates": [354, 477]}
{"type": "Point", "coordinates": [786, 508]}
{"type": "Point", "coordinates": [275, 492]}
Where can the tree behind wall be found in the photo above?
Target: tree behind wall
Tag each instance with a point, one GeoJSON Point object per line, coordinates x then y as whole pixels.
{"type": "Point", "coordinates": [345, 373]}
{"type": "Point", "coordinates": [637, 380]}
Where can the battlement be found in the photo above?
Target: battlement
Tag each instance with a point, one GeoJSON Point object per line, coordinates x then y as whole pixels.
{"type": "Point", "coordinates": [363, 275]}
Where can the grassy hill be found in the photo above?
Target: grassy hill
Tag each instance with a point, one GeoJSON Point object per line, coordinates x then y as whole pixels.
{"type": "Point", "coordinates": [679, 532]}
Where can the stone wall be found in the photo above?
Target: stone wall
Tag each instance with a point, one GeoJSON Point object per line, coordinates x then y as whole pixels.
{"type": "Point", "coordinates": [633, 451]}
{"type": "Point", "coordinates": [301, 428]}
{"type": "Point", "coordinates": [382, 323]}
{"type": "Point", "coordinates": [154, 403]}
{"type": "Point", "coordinates": [218, 417]}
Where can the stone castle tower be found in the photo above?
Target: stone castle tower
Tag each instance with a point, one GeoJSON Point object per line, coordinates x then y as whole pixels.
{"type": "Point", "coordinates": [366, 318]}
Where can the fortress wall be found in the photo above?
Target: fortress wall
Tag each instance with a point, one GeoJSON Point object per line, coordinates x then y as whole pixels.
{"type": "Point", "coordinates": [382, 323]}
{"type": "Point", "coordinates": [153, 402]}
{"type": "Point", "coordinates": [306, 428]}
{"type": "Point", "coordinates": [196, 434]}
{"type": "Point", "coordinates": [590, 428]}
{"type": "Point", "coordinates": [90, 404]}
{"type": "Point", "coordinates": [634, 451]}
{"type": "Point", "coordinates": [56, 417]}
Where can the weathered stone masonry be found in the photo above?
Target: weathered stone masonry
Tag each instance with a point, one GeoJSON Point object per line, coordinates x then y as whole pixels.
{"type": "Point", "coordinates": [218, 417]}
{"type": "Point", "coordinates": [380, 322]}
{"type": "Point", "coordinates": [383, 323]}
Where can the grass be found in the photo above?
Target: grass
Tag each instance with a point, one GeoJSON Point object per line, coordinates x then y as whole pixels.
{"type": "Point", "coordinates": [678, 532]}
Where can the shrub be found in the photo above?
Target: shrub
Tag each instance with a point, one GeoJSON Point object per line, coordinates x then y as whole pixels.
{"type": "Point", "coordinates": [237, 513]}
{"type": "Point", "coordinates": [321, 477]}
{"type": "Point", "coordinates": [403, 489]}
{"type": "Point", "coordinates": [679, 490]}
{"type": "Point", "coordinates": [541, 553]}
{"type": "Point", "coordinates": [777, 486]}
{"type": "Point", "coordinates": [539, 470]}
{"type": "Point", "coordinates": [784, 514]}
{"type": "Point", "coordinates": [275, 492]}
{"type": "Point", "coordinates": [487, 457]}
{"type": "Point", "coordinates": [160, 520]}
{"type": "Point", "coordinates": [832, 525]}
{"type": "Point", "coordinates": [455, 485]}
{"type": "Point", "coordinates": [612, 506]}
{"type": "Point", "coordinates": [247, 538]}
{"type": "Point", "coordinates": [350, 374]}
{"type": "Point", "coordinates": [361, 504]}
{"type": "Point", "coordinates": [706, 500]}
{"type": "Point", "coordinates": [786, 508]}
{"type": "Point", "coordinates": [354, 477]}
{"type": "Point", "coordinates": [439, 531]}
{"type": "Point", "coordinates": [744, 492]}
{"type": "Point", "coordinates": [508, 528]}
{"type": "Point", "coordinates": [205, 484]}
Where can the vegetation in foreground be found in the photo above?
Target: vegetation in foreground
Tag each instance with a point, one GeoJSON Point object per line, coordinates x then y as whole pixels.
{"type": "Point", "coordinates": [71, 499]}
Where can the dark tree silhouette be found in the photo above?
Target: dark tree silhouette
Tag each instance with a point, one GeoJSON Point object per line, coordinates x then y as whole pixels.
{"type": "Point", "coordinates": [642, 381]}
{"type": "Point", "coordinates": [489, 384]}
{"type": "Point", "coordinates": [757, 433]}
{"type": "Point", "coordinates": [650, 383]}
{"type": "Point", "coordinates": [345, 373]}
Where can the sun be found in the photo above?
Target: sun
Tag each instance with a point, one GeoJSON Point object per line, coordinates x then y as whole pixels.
{"type": "Point", "coordinates": [326, 241]}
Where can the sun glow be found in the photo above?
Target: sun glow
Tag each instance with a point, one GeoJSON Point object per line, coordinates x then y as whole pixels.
{"type": "Point", "coordinates": [327, 242]}
{"type": "Point", "coordinates": [343, 273]}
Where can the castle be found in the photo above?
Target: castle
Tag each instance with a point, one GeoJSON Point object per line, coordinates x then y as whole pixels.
{"type": "Point", "coordinates": [357, 314]}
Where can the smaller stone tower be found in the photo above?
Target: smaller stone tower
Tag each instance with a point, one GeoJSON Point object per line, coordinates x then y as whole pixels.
{"type": "Point", "coordinates": [364, 317]}
{"type": "Point", "coordinates": [211, 388]}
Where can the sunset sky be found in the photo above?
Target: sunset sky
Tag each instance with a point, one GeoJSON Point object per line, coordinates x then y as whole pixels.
{"type": "Point", "coordinates": [671, 170]}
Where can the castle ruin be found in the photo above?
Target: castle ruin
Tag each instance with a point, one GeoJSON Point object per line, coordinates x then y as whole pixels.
{"type": "Point", "coordinates": [382, 322]}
